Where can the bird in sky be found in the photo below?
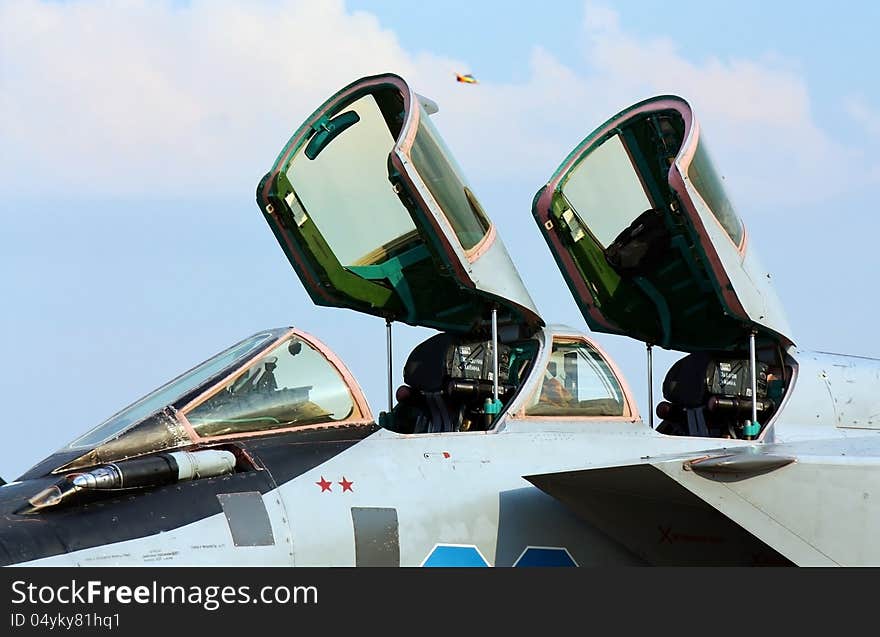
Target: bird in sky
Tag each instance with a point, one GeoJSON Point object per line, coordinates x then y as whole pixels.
{"type": "Point", "coordinates": [466, 79]}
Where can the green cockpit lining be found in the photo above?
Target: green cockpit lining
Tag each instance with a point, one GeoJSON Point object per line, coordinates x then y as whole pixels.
{"type": "Point", "coordinates": [673, 304]}
{"type": "Point", "coordinates": [521, 354]}
{"type": "Point", "coordinates": [408, 287]}
{"type": "Point", "coordinates": [330, 273]}
{"type": "Point", "coordinates": [611, 294]}
{"type": "Point", "coordinates": [392, 271]}
{"type": "Point", "coordinates": [660, 306]}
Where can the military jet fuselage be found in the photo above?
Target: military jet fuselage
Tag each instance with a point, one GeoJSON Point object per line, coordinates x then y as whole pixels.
{"type": "Point", "coordinates": [509, 442]}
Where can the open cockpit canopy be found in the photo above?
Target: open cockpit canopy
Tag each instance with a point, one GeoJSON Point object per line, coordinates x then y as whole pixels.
{"type": "Point", "coordinates": [648, 241]}
{"type": "Point", "coordinates": [375, 215]}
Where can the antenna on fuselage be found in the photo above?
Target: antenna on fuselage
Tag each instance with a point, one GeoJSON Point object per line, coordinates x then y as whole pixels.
{"type": "Point", "coordinates": [390, 364]}
{"type": "Point", "coordinates": [650, 351]}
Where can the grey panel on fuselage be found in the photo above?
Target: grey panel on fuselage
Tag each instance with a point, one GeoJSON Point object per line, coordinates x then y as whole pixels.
{"type": "Point", "coordinates": [247, 518]}
{"type": "Point", "coordinates": [376, 539]}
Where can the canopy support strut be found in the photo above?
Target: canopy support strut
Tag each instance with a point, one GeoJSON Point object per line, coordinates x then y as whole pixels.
{"type": "Point", "coordinates": [494, 354]}
{"type": "Point", "coordinates": [650, 352]}
{"type": "Point", "coordinates": [390, 364]}
{"type": "Point", "coordinates": [492, 407]}
{"type": "Point", "coordinates": [753, 428]}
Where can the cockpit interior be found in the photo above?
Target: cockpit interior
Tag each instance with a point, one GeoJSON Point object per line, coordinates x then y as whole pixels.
{"type": "Point", "coordinates": [449, 384]}
{"type": "Point", "coordinates": [709, 394]}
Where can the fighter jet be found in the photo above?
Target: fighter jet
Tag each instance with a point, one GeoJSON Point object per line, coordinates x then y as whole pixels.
{"type": "Point", "coordinates": [509, 443]}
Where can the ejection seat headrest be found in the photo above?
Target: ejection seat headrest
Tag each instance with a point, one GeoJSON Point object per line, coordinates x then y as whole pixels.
{"type": "Point", "coordinates": [425, 368]}
{"type": "Point", "coordinates": [685, 382]}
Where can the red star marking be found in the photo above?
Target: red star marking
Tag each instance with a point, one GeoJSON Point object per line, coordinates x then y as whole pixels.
{"type": "Point", "coordinates": [324, 484]}
{"type": "Point", "coordinates": [346, 484]}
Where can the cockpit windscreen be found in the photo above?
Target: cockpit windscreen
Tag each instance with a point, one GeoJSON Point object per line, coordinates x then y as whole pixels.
{"type": "Point", "coordinates": [175, 389]}
{"type": "Point", "coordinates": [292, 385]}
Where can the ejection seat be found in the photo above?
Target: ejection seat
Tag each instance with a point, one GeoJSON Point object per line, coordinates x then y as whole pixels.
{"type": "Point", "coordinates": [445, 389]}
{"type": "Point", "coordinates": [707, 395]}
{"type": "Point", "coordinates": [430, 409]}
{"type": "Point", "coordinates": [684, 388]}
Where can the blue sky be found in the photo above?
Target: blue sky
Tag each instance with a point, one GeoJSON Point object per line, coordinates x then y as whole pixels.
{"type": "Point", "coordinates": [135, 134]}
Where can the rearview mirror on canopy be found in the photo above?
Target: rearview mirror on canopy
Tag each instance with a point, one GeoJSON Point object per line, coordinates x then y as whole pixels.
{"type": "Point", "coordinates": [329, 129]}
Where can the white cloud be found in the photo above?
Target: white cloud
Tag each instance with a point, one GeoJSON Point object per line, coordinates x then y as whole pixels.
{"type": "Point", "coordinates": [862, 114]}
{"type": "Point", "coordinates": [867, 120]}
{"type": "Point", "coordinates": [141, 97]}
